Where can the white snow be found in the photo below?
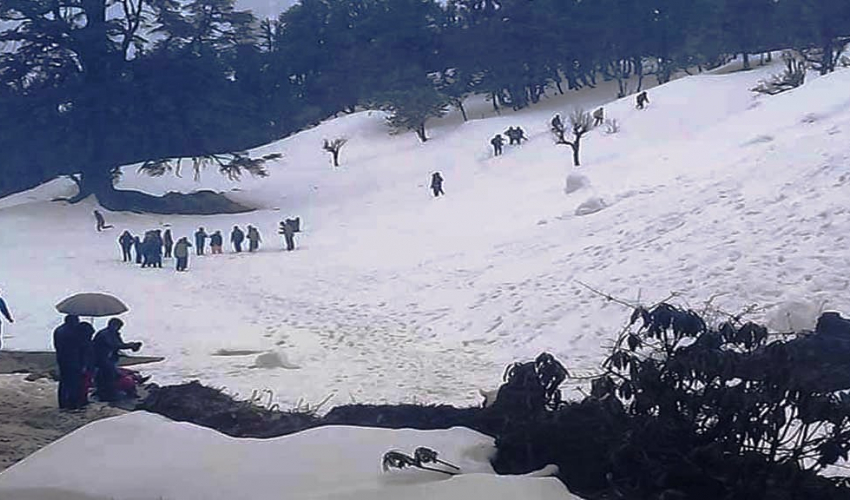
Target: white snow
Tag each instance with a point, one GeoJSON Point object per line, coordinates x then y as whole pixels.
{"type": "Point", "coordinates": [393, 295]}
{"type": "Point", "coordinates": [141, 456]}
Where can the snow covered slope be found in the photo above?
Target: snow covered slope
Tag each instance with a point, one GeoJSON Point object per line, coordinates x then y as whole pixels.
{"type": "Point", "coordinates": [124, 458]}
{"type": "Point", "coordinates": [393, 295]}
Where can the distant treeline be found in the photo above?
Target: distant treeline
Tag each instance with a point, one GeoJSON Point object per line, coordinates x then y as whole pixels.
{"type": "Point", "coordinates": [88, 85]}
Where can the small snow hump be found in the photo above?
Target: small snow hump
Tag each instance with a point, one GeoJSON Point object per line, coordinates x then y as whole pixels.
{"type": "Point", "coordinates": [274, 359]}
{"type": "Point", "coordinates": [591, 206]}
{"type": "Point", "coordinates": [575, 182]}
{"type": "Point", "coordinates": [793, 316]}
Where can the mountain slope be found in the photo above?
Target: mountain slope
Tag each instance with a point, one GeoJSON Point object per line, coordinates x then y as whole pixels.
{"type": "Point", "coordinates": [711, 192]}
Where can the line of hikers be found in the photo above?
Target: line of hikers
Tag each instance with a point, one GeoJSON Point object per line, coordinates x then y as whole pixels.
{"type": "Point", "coordinates": [157, 244]}
{"type": "Point", "coordinates": [88, 359]}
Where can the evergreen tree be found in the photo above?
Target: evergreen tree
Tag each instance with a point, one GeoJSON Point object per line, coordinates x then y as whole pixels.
{"type": "Point", "coordinates": [412, 106]}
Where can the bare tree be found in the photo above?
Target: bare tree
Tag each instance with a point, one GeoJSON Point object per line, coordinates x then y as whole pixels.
{"type": "Point", "coordinates": [579, 123]}
{"type": "Point", "coordinates": [333, 147]}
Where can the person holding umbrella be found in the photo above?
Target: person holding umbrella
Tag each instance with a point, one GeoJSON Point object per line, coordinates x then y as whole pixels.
{"type": "Point", "coordinates": [74, 352]}
{"type": "Point", "coordinates": [69, 359]}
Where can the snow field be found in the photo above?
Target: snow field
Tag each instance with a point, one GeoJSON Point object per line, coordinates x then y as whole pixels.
{"type": "Point", "coordinates": [395, 296]}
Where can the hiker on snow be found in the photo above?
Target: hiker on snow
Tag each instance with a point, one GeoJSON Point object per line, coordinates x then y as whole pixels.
{"type": "Point", "coordinates": [200, 240]}
{"type": "Point", "coordinates": [253, 239]}
{"type": "Point", "coordinates": [156, 249]}
{"type": "Point", "coordinates": [101, 223]}
{"type": "Point", "coordinates": [181, 253]}
{"type": "Point", "coordinates": [216, 241]}
{"type": "Point", "coordinates": [557, 124]}
{"type": "Point", "coordinates": [515, 135]}
{"type": "Point", "coordinates": [642, 100]}
{"type": "Point", "coordinates": [147, 248]}
{"type": "Point", "coordinates": [598, 117]}
{"type": "Point", "coordinates": [498, 141]}
{"type": "Point", "coordinates": [437, 184]}
{"type": "Point", "coordinates": [126, 242]}
{"type": "Point", "coordinates": [6, 314]}
{"type": "Point", "coordinates": [168, 242]}
{"type": "Point", "coordinates": [288, 233]}
{"type": "Point", "coordinates": [138, 247]}
{"type": "Point", "coordinates": [237, 237]}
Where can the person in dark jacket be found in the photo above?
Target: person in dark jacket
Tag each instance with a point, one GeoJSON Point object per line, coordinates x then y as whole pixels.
{"type": "Point", "coordinates": [437, 184]}
{"type": "Point", "coordinates": [254, 239]}
{"type": "Point", "coordinates": [126, 242]}
{"type": "Point", "coordinates": [288, 233]}
{"type": "Point", "coordinates": [497, 142]}
{"type": "Point", "coordinates": [598, 117]}
{"type": "Point", "coordinates": [101, 223]}
{"type": "Point", "coordinates": [642, 100]}
{"type": "Point", "coordinates": [86, 334]}
{"type": "Point", "coordinates": [138, 248]}
{"type": "Point", "coordinates": [237, 237]}
{"type": "Point", "coordinates": [556, 124]}
{"type": "Point", "coordinates": [515, 135]}
{"type": "Point", "coordinates": [156, 249]}
{"type": "Point", "coordinates": [107, 344]}
{"type": "Point", "coordinates": [148, 249]}
{"type": "Point", "coordinates": [6, 314]}
{"type": "Point", "coordinates": [216, 242]}
{"type": "Point", "coordinates": [168, 243]}
{"type": "Point", "coordinates": [200, 240]}
{"type": "Point", "coordinates": [69, 358]}
{"type": "Point", "coordinates": [181, 253]}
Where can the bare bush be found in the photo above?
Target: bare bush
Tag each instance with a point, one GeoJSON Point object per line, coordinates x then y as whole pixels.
{"type": "Point", "coordinates": [333, 147]}
{"type": "Point", "coordinates": [792, 77]}
{"type": "Point", "coordinates": [580, 122]}
{"type": "Point", "coordinates": [612, 126]}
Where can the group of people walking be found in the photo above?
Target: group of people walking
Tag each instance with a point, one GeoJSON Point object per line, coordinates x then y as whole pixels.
{"type": "Point", "coordinates": [158, 244]}
{"type": "Point", "coordinates": [515, 137]}
{"type": "Point", "coordinates": [86, 358]}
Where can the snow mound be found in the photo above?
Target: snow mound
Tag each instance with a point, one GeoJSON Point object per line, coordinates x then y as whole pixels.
{"type": "Point", "coordinates": [575, 182]}
{"type": "Point", "coordinates": [329, 462]}
{"type": "Point", "coordinates": [793, 316]}
{"type": "Point", "coordinates": [274, 359]}
{"type": "Point", "coordinates": [591, 206]}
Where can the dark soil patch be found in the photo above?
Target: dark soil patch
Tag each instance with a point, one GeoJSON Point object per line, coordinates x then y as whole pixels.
{"type": "Point", "coordinates": [42, 364]}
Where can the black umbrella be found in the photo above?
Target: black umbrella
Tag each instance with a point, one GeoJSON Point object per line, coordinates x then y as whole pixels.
{"type": "Point", "coordinates": [93, 305]}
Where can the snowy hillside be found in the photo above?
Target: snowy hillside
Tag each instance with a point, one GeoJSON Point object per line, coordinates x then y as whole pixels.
{"type": "Point", "coordinates": [393, 295]}
{"type": "Point", "coordinates": [341, 463]}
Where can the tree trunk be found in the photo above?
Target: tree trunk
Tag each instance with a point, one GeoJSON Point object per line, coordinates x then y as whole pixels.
{"type": "Point", "coordinates": [827, 64]}
{"type": "Point", "coordinates": [746, 57]}
{"type": "Point", "coordinates": [335, 154]}
{"type": "Point", "coordinates": [459, 105]}
{"type": "Point", "coordinates": [639, 72]}
{"type": "Point", "coordinates": [118, 200]}
{"type": "Point", "coordinates": [576, 144]}
{"type": "Point", "coordinates": [420, 132]}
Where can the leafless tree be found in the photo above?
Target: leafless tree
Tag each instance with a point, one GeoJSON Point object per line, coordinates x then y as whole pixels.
{"type": "Point", "coordinates": [579, 123]}
{"type": "Point", "coordinates": [333, 147]}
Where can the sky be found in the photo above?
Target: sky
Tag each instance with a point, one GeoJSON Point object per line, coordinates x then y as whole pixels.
{"type": "Point", "coordinates": [265, 8]}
